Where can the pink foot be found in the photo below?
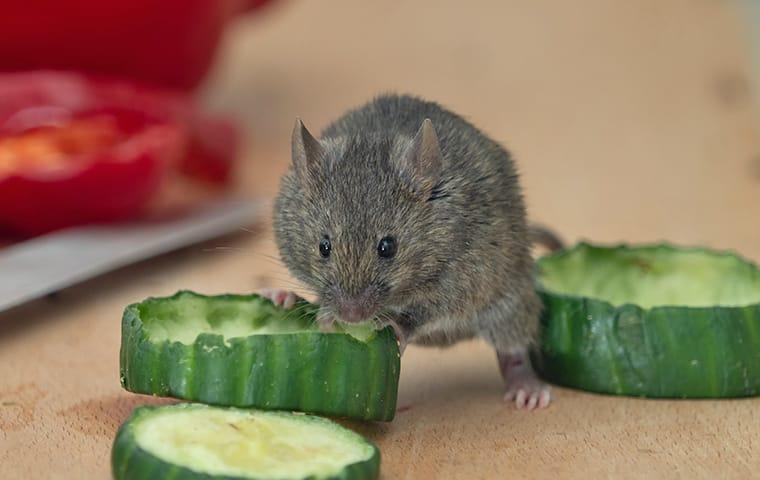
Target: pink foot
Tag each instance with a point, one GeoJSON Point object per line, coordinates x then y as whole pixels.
{"type": "Point", "coordinates": [523, 387]}
{"type": "Point", "coordinates": [282, 298]}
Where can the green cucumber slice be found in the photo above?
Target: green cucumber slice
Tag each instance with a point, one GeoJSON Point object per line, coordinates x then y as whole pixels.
{"type": "Point", "coordinates": [241, 350]}
{"type": "Point", "coordinates": [193, 442]}
{"type": "Point", "coordinates": [652, 320]}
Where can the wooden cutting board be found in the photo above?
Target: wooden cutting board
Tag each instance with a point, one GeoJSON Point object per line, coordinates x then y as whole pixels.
{"type": "Point", "coordinates": [60, 400]}
{"type": "Point", "coordinates": [629, 120]}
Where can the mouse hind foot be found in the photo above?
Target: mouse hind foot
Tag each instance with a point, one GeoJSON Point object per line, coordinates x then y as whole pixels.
{"type": "Point", "coordinates": [524, 388]}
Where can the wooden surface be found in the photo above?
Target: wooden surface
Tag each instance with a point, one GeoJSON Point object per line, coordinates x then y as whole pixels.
{"type": "Point", "coordinates": [630, 121]}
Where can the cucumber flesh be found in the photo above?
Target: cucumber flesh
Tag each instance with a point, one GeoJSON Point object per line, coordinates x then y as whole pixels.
{"type": "Point", "coordinates": [200, 440]}
{"type": "Point", "coordinates": [231, 318]}
{"type": "Point", "coordinates": [243, 351]}
{"type": "Point", "coordinates": [652, 276]}
{"type": "Point", "coordinates": [655, 321]}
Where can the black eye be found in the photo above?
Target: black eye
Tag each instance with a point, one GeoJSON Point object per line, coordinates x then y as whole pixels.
{"type": "Point", "coordinates": [387, 247]}
{"type": "Point", "coordinates": [325, 247]}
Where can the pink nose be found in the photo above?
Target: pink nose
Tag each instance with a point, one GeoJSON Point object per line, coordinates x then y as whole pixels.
{"type": "Point", "coordinates": [353, 308]}
{"type": "Point", "coordinates": [352, 312]}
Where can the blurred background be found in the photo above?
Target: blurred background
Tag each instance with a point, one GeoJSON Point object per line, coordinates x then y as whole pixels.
{"type": "Point", "coordinates": [629, 120]}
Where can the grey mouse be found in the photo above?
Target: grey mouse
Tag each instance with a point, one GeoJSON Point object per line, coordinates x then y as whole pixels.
{"type": "Point", "coordinates": [405, 212]}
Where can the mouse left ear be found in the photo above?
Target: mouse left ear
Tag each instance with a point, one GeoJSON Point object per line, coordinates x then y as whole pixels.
{"type": "Point", "coordinates": [421, 162]}
{"type": "Point", "coordinates": [306, 150]}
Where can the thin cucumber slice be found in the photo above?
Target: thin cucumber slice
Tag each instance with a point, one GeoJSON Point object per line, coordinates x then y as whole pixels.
{"type": "Point", "coordinates": [655, 321]}
{"type": "Point", "coordinates": [194, 442]}
{"type": "Point", "coordinates": [243, 351]}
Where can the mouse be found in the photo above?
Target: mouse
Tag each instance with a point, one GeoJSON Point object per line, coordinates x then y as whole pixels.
{"type": "Point", "coordinates": [404, 212]}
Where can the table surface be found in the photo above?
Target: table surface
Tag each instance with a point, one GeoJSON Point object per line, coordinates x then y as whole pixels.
{"type": "Point", "coordinates": [630, 121]}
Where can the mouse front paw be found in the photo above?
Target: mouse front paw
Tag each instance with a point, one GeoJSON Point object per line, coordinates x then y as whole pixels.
{"type": "Point", "coordinates": [281, 298]}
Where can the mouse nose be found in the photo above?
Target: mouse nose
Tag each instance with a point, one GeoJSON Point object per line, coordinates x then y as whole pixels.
{"type": "Point", "coordinates": [355, 308]}
{"type": "Point", "coordinates": [352, 313]}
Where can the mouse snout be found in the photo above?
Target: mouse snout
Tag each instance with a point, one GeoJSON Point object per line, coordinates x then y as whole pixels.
{"type": "Point", "coordinates": [352, 312]}
{"type": "Point", "coordinates": [355, 308]}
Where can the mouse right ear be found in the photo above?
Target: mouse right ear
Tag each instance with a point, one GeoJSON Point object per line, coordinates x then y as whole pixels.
{"type": "Point", "coordinates": [306, 150]}
{"type": "Point", "coordinates": [421, 163]}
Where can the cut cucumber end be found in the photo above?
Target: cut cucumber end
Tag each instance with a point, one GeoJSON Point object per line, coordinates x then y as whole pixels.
{"type": "Point", "coordinates": [184, 316]}
{"type": "Point", "coordinates": [197, 441]}
{"type": "Point", "coordinates": [243, 351]}
{"type": "Point", "coordinates": [654, 321]}
{"type": "Point", "coordinates": [652, 276]}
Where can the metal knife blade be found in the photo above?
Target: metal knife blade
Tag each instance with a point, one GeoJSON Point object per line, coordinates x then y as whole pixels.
{"type": "Point", "coordinates": [45, 264]}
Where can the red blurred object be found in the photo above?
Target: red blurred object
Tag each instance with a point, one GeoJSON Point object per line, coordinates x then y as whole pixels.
{"type": "Point", "coordinates": [165, 42]}
{"type": "Point", "coordinates": [76, 149]}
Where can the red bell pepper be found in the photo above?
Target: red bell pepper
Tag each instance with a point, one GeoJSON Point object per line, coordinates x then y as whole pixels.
{"type": "Point", "coordinates": [165, 42]}
{"type": "Point", "coordinates": [77, 149]}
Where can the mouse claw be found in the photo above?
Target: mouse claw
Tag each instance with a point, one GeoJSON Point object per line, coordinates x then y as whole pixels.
{"type": "Point", "coordinates": [545, 398]}
{"type": "Point", "coordinates": [529, 397]}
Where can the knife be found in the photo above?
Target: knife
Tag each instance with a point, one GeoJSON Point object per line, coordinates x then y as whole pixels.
{"type": "Point", "coordinates": [46, 264]}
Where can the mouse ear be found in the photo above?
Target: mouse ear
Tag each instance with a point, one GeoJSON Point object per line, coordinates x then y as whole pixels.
{"type": "Point", "coordinates": [421, 163]}
{"type": "Point", "coordinates": [306, 150]}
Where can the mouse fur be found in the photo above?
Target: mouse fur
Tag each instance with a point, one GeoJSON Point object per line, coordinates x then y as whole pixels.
{"type": "Point", "coordinates": [463, 266]}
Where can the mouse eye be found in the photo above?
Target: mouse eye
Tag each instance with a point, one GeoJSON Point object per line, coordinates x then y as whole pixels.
{"type": "Point", "coordinates": [387, 247]}
{"type": "Point", "coordinates": [325, 247]}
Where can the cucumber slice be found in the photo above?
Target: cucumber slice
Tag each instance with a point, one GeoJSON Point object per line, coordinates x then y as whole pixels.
{"type": "Point", "coordinates": [655, 321]}
{"type": "Point", "coordinates": [243, 351]}
{"type": "Point", "coordinates": [194, 442]}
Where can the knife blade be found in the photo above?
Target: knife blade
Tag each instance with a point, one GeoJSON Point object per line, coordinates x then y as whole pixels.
{"type": "Point", "coordinates": [46, 264]}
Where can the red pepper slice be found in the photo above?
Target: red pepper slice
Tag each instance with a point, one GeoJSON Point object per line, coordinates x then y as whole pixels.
{"type": "Point", "coordinates": [77, 149]}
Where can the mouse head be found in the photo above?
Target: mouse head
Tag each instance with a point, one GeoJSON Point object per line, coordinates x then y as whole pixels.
{"type": "Point", "coordinates": [362, 220]}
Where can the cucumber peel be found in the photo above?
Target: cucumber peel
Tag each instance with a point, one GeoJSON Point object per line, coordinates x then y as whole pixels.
{"type": "Point", "coordinates": [193, 442]}
{"type": "Point", "coordinates": [243, 351]}
{"type": "Point", "coordinates": [653, 320]}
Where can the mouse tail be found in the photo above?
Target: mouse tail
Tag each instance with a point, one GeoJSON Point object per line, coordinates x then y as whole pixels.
{"type": "Point", "coordinates": [545, 237]}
